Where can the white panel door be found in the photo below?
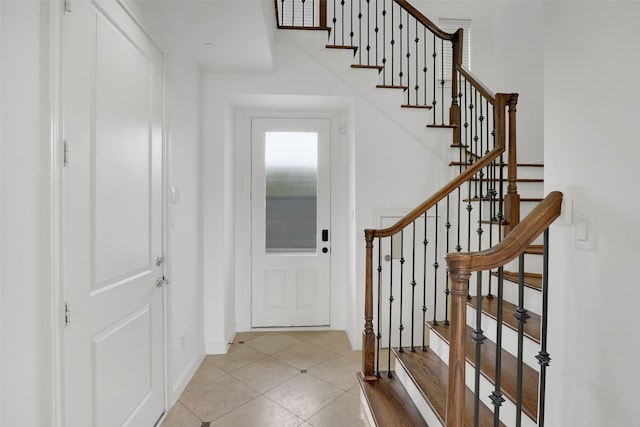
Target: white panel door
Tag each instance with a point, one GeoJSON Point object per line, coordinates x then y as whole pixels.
{"type": "Point", "coordinates": [112, 219]}
{"type": "Point", "coordinates": [291, 256]}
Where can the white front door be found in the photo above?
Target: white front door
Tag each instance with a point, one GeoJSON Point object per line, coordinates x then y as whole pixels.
{"type": "Point", "coordinates": [291, 248]}
{"type": "Point", "coordinates": [111, 219]}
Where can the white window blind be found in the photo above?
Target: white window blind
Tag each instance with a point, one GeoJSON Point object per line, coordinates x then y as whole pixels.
{"type": "Point", "coordinates": [451, 26]}
{"type": "Point", "coordinates": [296, 10]}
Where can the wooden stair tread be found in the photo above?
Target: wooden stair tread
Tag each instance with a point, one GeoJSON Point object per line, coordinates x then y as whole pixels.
{"type": "Point", "coordinates": [390, 403]}
{"type": "Point", "coordinates": [506, 179]}
{"type": "Point", "coordinates": [425, 107]}
{"type": "Point", "coordinates": [300, 27]}
{"type": "Point", "coordinates": [490, 308]}
{"type": "Point", "coordinates": [509, 371]}
{"type": "Point", "coordinates": [368, 67]}
{"type": "Point", "coordinates": [339, 46]}
{"type": "Point", "coordinates": [489, 199]}
{"type": "Point", "coordinates": [431, 376]}
{"type": "Point", "coordinates": [443, 126]}
{"type": "Point", "coordinates": [392, 87]}
{"type": "Point", "coordinates": [520, 165]}
{"type": "Point", "coordinates": [531, 280]}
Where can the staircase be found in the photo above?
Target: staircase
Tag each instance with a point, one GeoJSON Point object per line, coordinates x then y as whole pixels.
{"type": "Point", "coordinates": [465, 346]}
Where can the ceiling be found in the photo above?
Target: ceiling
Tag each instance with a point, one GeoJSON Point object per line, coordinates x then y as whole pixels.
{"type": "Point", "coordinates": [221, 35]}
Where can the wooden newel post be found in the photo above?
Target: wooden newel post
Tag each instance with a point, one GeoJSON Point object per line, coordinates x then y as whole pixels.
{"type": "Point", "coordinates": [323, 14]}
{"type": "Point", "coordinates": [454, 110]}
{"type": "Point", "coordinates": [368, 336]}
{"type": "Point", "coordinates": [512, 198]}
{"type": "Point", "coordinates": [459, 278]}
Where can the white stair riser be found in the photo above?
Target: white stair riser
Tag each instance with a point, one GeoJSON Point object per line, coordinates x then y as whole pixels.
{"type": "Point", "coordinates": [532, 264]}
{"type": "Point", "coordinates": [508, 408]}
{"type": "Point", "coordinates": [532, 297]}
{"type": "Point", "coordinates": [418, 399]}
{"type": "Point", "coordinates": [366, 409]}
{"type": "Point", "coordinates": [530, 348]}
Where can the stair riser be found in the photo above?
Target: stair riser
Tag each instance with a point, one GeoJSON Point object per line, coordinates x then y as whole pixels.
{"type": "Point", "coordinates": [509, 338]}
{"type": "Point", "coordinates": [366, 409]}
{"type": "Point", "coordinates": [532, 297]}
{"type": "Point", "coordinates": [508, 408]}
{"type": "Point", "coordinates": [418, 399]}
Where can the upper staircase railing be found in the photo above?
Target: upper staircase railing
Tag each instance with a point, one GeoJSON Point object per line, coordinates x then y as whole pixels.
{"type": "Point", "coordinates": [468, 218]}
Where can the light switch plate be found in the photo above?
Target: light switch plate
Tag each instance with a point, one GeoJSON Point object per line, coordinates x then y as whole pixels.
{"type": "Point", "coordinates": [583, 230]}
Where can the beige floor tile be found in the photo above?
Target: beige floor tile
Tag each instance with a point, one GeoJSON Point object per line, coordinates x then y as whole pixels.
{"type": "Point", "coordinates": [180, 416]}
{"type": "Point", "coordinates": [344, 411]}
{"type": "Point", "coordinates": [334, 341]}
{"type": "Point", "coordinates": [272, 343]}
{"type": "Point", "coordinates": [265, 373]}
{"type": "Point", "coordinates": [351, 354]}
{"type": "Point", "coordinates": [304, 395]}
{"type": "Point", "coordinates": [303, 355]}
{"type": "Point", "coordinates": [239, 355]}
{"type": "Point", "coordinates": [301, 335]}
{"type": "Point", "coordinates": [206, 372]}
{"type": "Point", "coordinates": [355, 390]}
{"type": "Point", "coordinates": [258, 412]}
{"type": "Point", "coordinates": [337, 370]}
{"type": "Point", "coordinates": [217, 397]}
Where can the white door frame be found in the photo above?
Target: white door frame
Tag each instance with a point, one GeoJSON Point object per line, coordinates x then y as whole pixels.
{"type": "Point", "coordinates": [339, 208]}
{"type": "Point", "coordinates": [52, 126]}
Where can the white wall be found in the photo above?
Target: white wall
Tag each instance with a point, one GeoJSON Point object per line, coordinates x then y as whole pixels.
{"type": "Point", "coordinates": [506, 55]}
{"type": "Point", "coordinates": [185, 317]}
{"type": "Point", "coordinates": [592, 62]}
{"type": "Point", "coordinates": [385, 158]}
{"type": "Point", "coordinates": [26, 369]}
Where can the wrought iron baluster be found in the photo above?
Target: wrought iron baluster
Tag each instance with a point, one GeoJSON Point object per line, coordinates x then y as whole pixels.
{"type": "Point", "coordinates": [413, 287]}
{"type": "Point", "coordinates": [401, 327]}
{"type": "Point", "coordinates": [481, 177]}
{"type": "Point", "coordinates": [400, 50]}
{"type": "Point", "coordinates": [342, 2]}
{"type": "Point", "coordinates": [478, 338]}
{"type": "Point", "coordinates": [369, 32]}
{"type": "Point", "coordinates": [425, 243]}
{"type": "Point", "coordinates": [303, 1]}
{"type": "Point", "coordinates": [351, 33]}
{"type": "Point", "coordinates": [334, 20]}
{"type": "Point", "coordinates": [379, 334]}
{"type": "Point", "coordinates": [434, 102]}
{"type": "Point", "coordinates": [496, 395]}
{"type": "Point", "coordinates": [447, 291]}
{"type": "Point", "coordinates": [376, 30]}
{"type": "Point", "coordinates": [425, 69]}
{"type": "Point", "coordinates": [416, 60]}
{"type": "Point", "coordinates": [521, 316]}
{"type": "Point", "coordinates": [392, 43]}
{"type": "Point", "coordinates": [435, 267]}
{"type": "Point", "coordinates": [389, 375]}
{"type": "Point", "coordinates": [359, 32]}
{"type": "Point", "coordinates": [442, 80]}
{"type": "Point", "coordinates": [384, 41]}
{"type": "Point", "coordinates": [543, 356]}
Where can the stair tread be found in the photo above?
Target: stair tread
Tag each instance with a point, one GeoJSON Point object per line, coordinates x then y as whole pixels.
{"type": "Point", "coordinates": [300, 27]}
{"type": "Point", "coordinates": [505, 179]}
{"type": "Point", "coordinates": [488, 199]}
{"type": "Point", "coordinates": [509, 372]}
{"type": "Point", "coordinates": [531, 280]}
{"type": "Point", "coordinates": [339, 46]}
{"type": "Point", "coordinates": [368, 67]}
{"type": "Point", "coordinates": [390, 403]}
{"type": "Point", "coordinates": [490, 307]}
{"type": "Point", "coordinates": [431, 376]}
{"type": "Point", "coordinates": [426, 107]}
{"type": "Point", "coordinates": [443, 126]}
{"type": "Point", "coordinates": [520, 165]}
{"type": "Point", "coordinates": [392, 87]}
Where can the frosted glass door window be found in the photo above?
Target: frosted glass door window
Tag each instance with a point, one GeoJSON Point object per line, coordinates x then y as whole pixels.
{"type": "Point", "coordinates": [291, 180]}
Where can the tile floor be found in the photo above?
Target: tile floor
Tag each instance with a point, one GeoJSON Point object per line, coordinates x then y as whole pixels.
{"type": "Point", "coordinates": [293, 378]}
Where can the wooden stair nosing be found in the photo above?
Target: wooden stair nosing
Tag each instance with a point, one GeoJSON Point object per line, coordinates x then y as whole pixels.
{"type": "Point", "coordinates": [300, 27]}
{"type": "Point", "coordinates": [506, 179]}
{"type": "Point", "coordinates": [431, 376]}
{"type": "Point", "coordinates": [424, 107]}
{"type": "Point", "coordinates": [520, 165]}
{"type": "Point", "coordinates": [342, 47]}
{"type": "Point", "coordinates": [368, 67]}
{"type": "Point", "coordinates": [442, 126]}
{"type": "Point", "coordinates": [490, 308]}
{"type": "Point", "coordinates": [531, 280]}
{"type": "Point", "coordinates": [389, 403]}
{"type": "Point", "coordinates": [509, 374]}
{"type": "Point", "coordinates": [404, 88]}
{"type": "Point", "coordinates": [489, 199]}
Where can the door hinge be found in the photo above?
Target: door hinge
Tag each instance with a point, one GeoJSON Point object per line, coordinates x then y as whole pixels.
{"type": "Point", "coordinates": [67, 313]}
{"type": "Point", "coordinates": [67, 6]}
{"type": "Point", "coordinates": [66, 154]}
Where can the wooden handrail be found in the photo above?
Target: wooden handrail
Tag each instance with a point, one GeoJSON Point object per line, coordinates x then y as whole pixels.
{"type": "Point", "coordinates": [501, 100]}
{"type": "Point", "coordinates": [514, 243]}
{"type": "Point", "coordinates": [477, 84]}
{"type": "Point", "coordinates": [424, 20]}
{"type": "Point", "coordinates": [461, 265]}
